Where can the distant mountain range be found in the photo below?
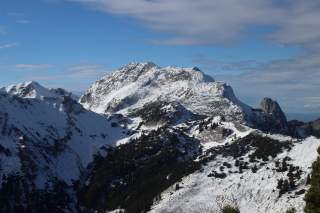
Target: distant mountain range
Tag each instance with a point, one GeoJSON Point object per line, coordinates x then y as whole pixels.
{"type": "Point", "coordinates": [305, 117]}
{"type": "Point", "coordinates": [150, 139]}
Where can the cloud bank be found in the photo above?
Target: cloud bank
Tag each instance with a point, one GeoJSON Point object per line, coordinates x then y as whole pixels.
{"type": "Point", "coordinates": [216, 21]}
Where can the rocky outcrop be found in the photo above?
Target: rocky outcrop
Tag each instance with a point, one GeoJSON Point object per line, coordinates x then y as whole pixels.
{"type": "Point", "coordinates": [274, 114]}
{"type": "Point", "coordinates": [270, 118]}
{"type": "Point", "coordinates": [272, 108]}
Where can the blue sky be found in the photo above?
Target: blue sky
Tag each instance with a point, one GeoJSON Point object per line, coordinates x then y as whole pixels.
{"type": "Point", "coordinates": [71, 43]}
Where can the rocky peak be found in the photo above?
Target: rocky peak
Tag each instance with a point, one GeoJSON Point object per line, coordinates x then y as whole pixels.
{"type": "Point", "coordinates": [272, 118]}
{"type": "Point", "coordinates": [131, 72]}
{"type": "Point", "coordinates": [136, 84]}
{"type": "Point", "coordinates": [28, 89]}
{"type": "Point", "coordinates": [273, 109]}
{"type": "Point", "coordinates": [193, 75]}
{"type": "Point", "coordinates": [33, 90]}
{"type": "Point", "coordinates": [63, 93]}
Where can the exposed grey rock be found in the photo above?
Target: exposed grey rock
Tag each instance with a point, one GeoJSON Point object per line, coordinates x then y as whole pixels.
{"type": "Point", "coordinates": [270, 118]}
{"type": "Point", "coordinates": [273, 109]}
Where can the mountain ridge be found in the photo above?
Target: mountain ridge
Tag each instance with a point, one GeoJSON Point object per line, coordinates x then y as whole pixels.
{"type": "Point", "coordinates": [143, 123]}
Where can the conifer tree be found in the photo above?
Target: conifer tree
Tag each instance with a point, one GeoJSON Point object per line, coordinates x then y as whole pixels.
{"type": "Point", "coordinates": [312, 197]}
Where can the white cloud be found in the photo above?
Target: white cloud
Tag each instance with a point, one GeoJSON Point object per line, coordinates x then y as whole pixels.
{"type": "Point", "coordinates": [216, 21]}
{"type": "Point", "coordinates": [20, 18]}
{"type": "Point", "coordinates": [16, 14]}
{"type": "Point", "coordinates": [85, 70]}
{"type": "Point", "coordinates": [33, 66]}
{"type": "Point", "coordinates": [231, 67]}
{"type": "Point", "coordinates": [10, 45]}
{"type": "Point", "coordinates": [313, 103]}
{"type": "Point", "coordinates": [23, 21]}
{"type": "Point", "coordinates": [75, 73]}
{"type": "Point", "coordinates": [74, 78]}
{"type": "Point", "coordinates": [191, 22]}
{"type": "Point", "coordinates": [292, 82]}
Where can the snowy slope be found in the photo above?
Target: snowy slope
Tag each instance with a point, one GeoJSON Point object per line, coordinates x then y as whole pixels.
{"type": "Point", "coordinates": [188, 101]}
{"type": "Point", "coordinates": [34, 90]}
{"type": "Point", "coordinates": [53, 132]}
{"type": "Point", "coordinates": [251, 192]}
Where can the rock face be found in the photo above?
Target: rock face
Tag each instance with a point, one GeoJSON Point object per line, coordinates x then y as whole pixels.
{"type": "Point", "coordinates": [275, 116]}
{"type": "Point", "coordinates": [273, 109]}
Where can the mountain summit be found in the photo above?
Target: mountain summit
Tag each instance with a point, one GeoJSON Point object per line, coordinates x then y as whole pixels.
{"type": "Point", "coordinates": [33, 90]}
{"type": "Point", "coordinates": [137, 84]}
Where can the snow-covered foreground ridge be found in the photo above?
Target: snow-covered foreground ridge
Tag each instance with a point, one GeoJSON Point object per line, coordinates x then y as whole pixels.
{"type": "Point", "coordinates": [46, 138]}
{"type": "Point", "coordinates": [173, 130]}
{"type": "Point", "coordinates": [251, 191]}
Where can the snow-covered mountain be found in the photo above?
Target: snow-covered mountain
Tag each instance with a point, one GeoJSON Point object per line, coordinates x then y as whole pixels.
{"type": "Point", "coordinates": [34, 90]}
{"type": "Point", "coordinates": [134, 86]}
{"type": "Point", "coordinates": [137, 84]}
{"type": "Point", "coordinates": [46, 137]}
{"type": "Point", "coordinates": [145, 138]}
